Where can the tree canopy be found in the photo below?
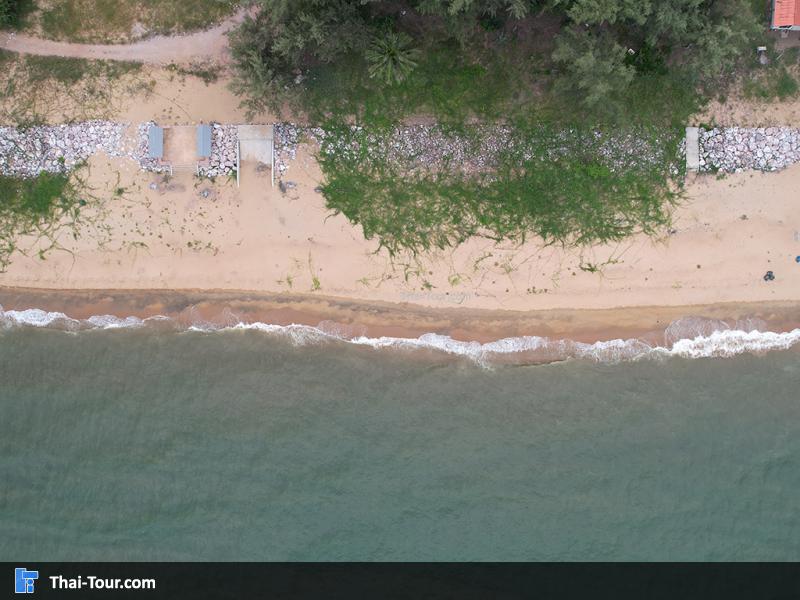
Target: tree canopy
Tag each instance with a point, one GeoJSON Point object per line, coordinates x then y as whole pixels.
{"type": "Point", "coordinates": [596, 49]}
{"type": "Point", "coordinates": [591, 97]}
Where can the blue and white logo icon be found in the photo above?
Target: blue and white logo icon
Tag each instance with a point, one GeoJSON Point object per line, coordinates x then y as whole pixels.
{"type": "Point", "coordinates": [24, 580]}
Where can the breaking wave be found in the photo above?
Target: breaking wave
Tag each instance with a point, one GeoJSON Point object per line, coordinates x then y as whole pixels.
{"type": "Point", "coordinates": [690, 337]}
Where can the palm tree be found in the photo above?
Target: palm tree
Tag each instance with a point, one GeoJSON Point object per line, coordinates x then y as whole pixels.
{"type": "Point", "coordinates": [391, 57]}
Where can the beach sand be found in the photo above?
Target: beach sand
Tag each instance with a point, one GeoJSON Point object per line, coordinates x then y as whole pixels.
{"type": "Point", "coordinates": [147, 234]}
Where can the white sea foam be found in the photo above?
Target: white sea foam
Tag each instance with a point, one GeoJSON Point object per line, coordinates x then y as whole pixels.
{"type": "Point", "coordinates": [34, 317]}
{"type": "Point", "coordinates": [716, 343]}
{"type": "Point", "coordinates": [733, 341]}
{"type": "Point", "coordinates": [112, 322]}
{"type": "Point", "coordinates": [690, 337]}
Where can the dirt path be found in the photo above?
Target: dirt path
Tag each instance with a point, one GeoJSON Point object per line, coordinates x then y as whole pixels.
{"type": "Point", "coordinates": [203, 46]}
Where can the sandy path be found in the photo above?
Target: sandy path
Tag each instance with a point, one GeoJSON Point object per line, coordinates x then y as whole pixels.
{"type": "Point", "coordinates": [211, 44]}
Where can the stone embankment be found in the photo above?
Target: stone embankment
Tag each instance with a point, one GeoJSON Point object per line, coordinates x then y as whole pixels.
{"type": "Point", "coordinates": [26, 152]}
{"type": "Point", "coordinates": [221, 162]}
{"type": "Point", "coordinates": [736, 149]}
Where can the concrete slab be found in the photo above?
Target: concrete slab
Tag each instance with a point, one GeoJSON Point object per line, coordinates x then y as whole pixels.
{"type": "Point", "coordinates": [155, 142]}
{"type": "Point", "coordinates": [203, 141]}
{"type": "Point", "coordinates": [255, 143]}
{"type": "Point", "coordinates": [692, 149]}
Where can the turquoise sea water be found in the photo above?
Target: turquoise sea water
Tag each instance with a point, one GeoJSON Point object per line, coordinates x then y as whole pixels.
{"type": "Point", "coordinates": [135, 444]}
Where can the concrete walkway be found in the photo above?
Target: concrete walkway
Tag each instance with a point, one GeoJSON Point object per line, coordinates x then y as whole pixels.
{"type": "Point", "coordinates": [203, 46]}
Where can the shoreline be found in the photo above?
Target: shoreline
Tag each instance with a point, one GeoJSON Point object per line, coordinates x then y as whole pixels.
{"type": "Point", "coordinates": [351, 318]}
{"type": "Point", "coordinates": [142, 235]}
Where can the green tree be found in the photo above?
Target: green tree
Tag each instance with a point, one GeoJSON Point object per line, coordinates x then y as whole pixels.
{"type": "Point", "coordinates": [517, 9]}
{"type": "Point", "coordinates": [391, 57]}
{"type": "Point", "coordinates": [694, 25]}
{"type": "Point", "coordinates": [271, 51]}
{"type": "Point", "coordinates": [594, 72]}
{"type": "Point", "coordinates": [600, 47]}
{"type": "Point", "coordinates": [702, 41]}
{"type": "Point", "coordinates": [11, 11]}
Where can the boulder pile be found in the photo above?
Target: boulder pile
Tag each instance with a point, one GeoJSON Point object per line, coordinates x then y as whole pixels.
{"type": "Point", "coordinates": [286, 138]}
{"type": "Point", "coordinates": [26, 152]}
{"type": "Point", "coordinates": [143, 148]}
{"type": "Point", "coordinates": [735, 149]}
{"type": "Point", "coordinates": [223, 151]}
{"type": "Point", "coordinates": [485, 147]}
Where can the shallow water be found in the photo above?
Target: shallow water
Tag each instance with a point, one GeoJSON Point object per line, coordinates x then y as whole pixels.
{"type": "Point", "coordinates": [135, 444]}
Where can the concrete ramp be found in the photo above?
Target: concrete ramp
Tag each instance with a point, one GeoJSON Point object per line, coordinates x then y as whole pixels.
{"type": "Point", "coordinates": [256, 143]}
{"type": "Point", "coordinates": [692, 149]}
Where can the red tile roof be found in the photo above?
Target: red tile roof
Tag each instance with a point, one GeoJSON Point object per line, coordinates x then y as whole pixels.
{"type": "Point", "coordinates": [786, 13]}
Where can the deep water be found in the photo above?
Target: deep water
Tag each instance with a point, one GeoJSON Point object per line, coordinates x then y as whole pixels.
{"type": "Point", "coordinates": [146, 445]}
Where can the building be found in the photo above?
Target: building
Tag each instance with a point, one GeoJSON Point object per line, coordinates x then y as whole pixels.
{"type": "Point", "coordinates": [785, 15]}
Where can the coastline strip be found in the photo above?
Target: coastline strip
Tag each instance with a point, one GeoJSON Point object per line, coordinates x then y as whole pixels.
{"type": "Point", "coordinates": [530, 337]}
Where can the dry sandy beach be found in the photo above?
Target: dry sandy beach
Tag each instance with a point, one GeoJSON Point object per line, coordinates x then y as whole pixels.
{"type": "Point", "coordinates": [198, 235]}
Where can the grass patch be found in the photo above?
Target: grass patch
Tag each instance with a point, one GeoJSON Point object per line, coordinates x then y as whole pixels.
{"type": "Point", "coordinates": [39, 206]}
{"type": "Point", "coordinates": [786, 86]}
{"type": "Point", "coordinates": [120, 20]}
{"type": "Point", "coordinates": [70, 71]}
{"type": "Point", "coordinates": [50, 88]}
{"type": "Point", "coordinates": [64, 70]}
{"type": "Point", "coordinates": [772, 84]}
{"type": "Point", "coordinates": [444, 84]}
{"type": "Point", "coordinates": [208, 73]}
{"type": "Point", "coordinates": [32, 198]}
{"type": "Point", "coordinates": [6, 57]}
{"type": "Point", "coordinates": [774, 81]}
{"type": "Point", "coordinates": [575, 196]}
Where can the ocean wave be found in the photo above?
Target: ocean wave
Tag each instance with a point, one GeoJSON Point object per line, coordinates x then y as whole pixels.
{"type": "Point", "coordinates": [689, 337]}
{"type": "Point", "coordinates": [34, 317]}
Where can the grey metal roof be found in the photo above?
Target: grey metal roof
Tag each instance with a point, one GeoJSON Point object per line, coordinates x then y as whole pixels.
{"type": "Point", "coordinates": [204, 141]}
{"type": "Point", "coordinates": [155, 142]}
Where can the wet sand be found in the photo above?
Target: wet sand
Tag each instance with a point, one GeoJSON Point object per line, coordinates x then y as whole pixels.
{"type": "Point", "coordinates": [348, 318]}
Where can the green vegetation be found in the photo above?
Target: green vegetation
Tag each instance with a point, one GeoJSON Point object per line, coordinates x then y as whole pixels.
{"type": "Point", "coordinates": [560, 74]}
{"type": "Point", "coordinates": [443, 84]}
{"type": "Point", "coordinates": [586, 52]}
{"type": "Point", "coordinates": [391, 57]}
{"type": "Point", "coordinates": [13, 12]}
{"type": "Point", "coordinates": [573, 197]}
{"type": "Point", "coordinates": [208, 73]}
{"type": "Point", "coordinates": [70, 71]}
{"type": "Point", "coordinates": [6, 57]}
{"type": "Point", "coordinates": [37, 207]}
{"type": "Point", "coordinates": [776, 81]}
{"type": "Point", "coordinates": [39, 88]}
{"type": "Point", "coordinates": [774, 84]}
{"type": "Point", "coordinates": [104, 21]}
